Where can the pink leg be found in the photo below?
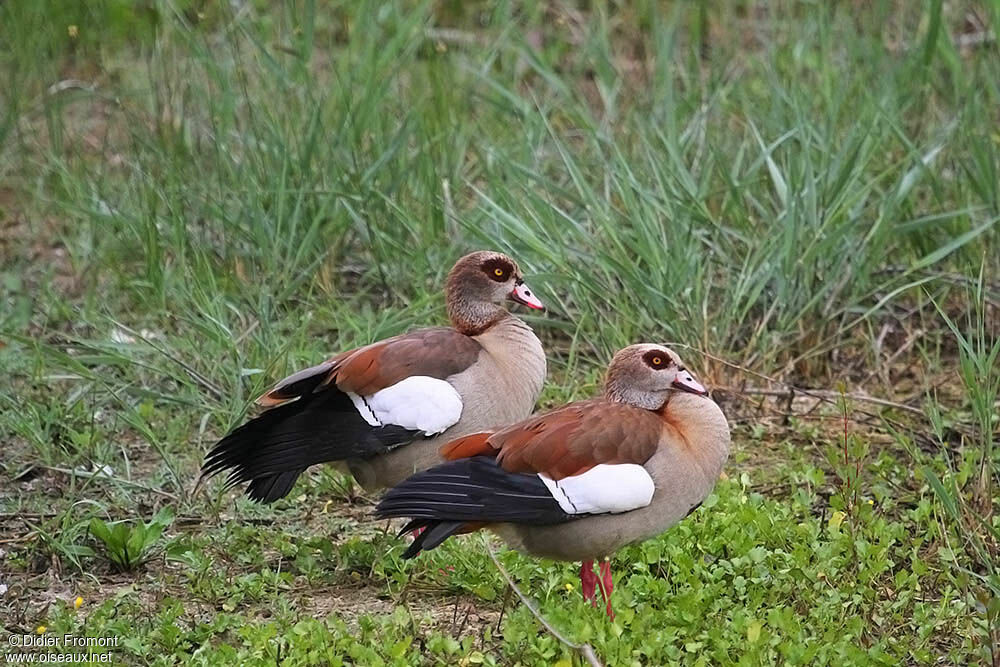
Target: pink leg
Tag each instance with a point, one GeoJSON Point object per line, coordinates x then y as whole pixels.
{"type": "Point", "coordinates": [607, 586]}
{"type": "Point", "coordinates": [588, 581]}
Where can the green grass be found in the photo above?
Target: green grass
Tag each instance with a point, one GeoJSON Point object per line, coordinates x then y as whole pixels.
{"type": "Point", "coordinates": [196, 198]}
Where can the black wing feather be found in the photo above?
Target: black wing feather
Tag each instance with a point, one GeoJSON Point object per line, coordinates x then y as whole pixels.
{"type": "Point", "coordinates": [474, 490]}
{"type": "Point", "coordinates": [271, 451]}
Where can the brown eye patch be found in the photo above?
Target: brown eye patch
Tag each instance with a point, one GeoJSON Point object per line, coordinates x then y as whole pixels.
{"type": "Point", "coordinates": [498, 269]}
{"type": "Point", "coordinates": [657, 359]}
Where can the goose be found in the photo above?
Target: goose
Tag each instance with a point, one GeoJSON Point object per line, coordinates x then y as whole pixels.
{"type": "Point", "coordinates": [385, 409]}
{"type": "Point", "coordinates": [581, 481]}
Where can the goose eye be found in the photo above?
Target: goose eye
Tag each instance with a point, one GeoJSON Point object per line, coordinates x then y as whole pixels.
{"type": "Point", "coordinates": [656, 360]}
{"type": "Point", "coordinates": [497, 269]}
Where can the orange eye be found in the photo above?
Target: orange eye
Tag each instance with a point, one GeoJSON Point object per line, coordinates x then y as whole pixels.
{"type": "Point", "coordinates": [657, 361]}
{"type": "Point", "coordinates": [498, 272]}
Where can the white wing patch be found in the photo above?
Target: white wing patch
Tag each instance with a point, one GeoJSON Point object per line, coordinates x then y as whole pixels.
{"type": "Point", "coordinates": [419, 402]}
{"type": "Point", "coordinates": [604, 488]}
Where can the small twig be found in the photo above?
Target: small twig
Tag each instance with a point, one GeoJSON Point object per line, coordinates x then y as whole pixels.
{"type": "Point", "coordinates": [824, 395]}
{"type": "Point", "coordinates": [910, 340]}
{"type": "Point", "coordinates": [974, 39]}
{"type": "Point", "coordinates": [503, 608]}
{"type": "Point", "coordinates": [465, 620]}
{"type": "Point", "coordinates": [71, 84]}
{"type": "Point", "coordinates": [199, 484]}
{"type": "Point", "coordinates": [788, 404]}
{"type": "Point", "coordinates": [584, 650]}
{"type": "Point", "coordinates": [5, 516]}
{"type": "Point", "coordinates": [249, 330]}
{"type": "Point", "coordinates": [455, 36]}
{"type": "Point", "coordinates": [818, 394]}
{"type": "Point", "coordinates": [195, 375]}
{"type": "Point", "coordinates": [117, 480]}
{"type": "Point", "coordinates": [454, 615]}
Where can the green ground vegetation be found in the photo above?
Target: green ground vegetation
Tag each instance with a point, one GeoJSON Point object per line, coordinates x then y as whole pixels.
{"type": "Point", "coordinates": [802, 198]}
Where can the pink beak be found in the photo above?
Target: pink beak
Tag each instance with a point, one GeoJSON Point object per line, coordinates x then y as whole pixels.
{"type": "Point", "coordinates": [686, 382]}
{"type": "Point", "coordinates": [523, 295]}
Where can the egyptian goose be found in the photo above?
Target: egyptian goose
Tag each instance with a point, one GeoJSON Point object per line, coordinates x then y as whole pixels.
{"type": "Point", "coordinates": [581, 481]}
{"type": "Point", "coordinates": [386, 408]}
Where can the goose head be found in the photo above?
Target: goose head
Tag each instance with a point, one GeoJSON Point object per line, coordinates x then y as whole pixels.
{"type": "Point", "coordinates": [479, 287]}
{"type": "Point", "coordinates": [645, 375]}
